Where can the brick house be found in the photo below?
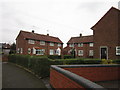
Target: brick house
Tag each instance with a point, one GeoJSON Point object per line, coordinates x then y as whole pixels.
{"type": "Point", "coordinates": [106, 33]}
{"type": "Point", "coordinates": [37, 44]}
{"type": "Point", "coordinates": [83, 46]}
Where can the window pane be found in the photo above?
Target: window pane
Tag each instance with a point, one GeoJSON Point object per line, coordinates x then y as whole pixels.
{"type": "Point", "coordinates": [80, 45]}
{"type": "Point", "coordinates": [90, 52]}
{"type": "Point", "coordinates": [51, 44]}
{"type": "Point", "coordinates": [42, 42]}
{"type": "Point", "coordinates": [91, 44]}
{"type": "Point", "coordinates": [80, 52]}
{"type": "Point", "coordinates": [118, 50]}
{"type": "Point", "coordinates": [51, 52]}
{"type": "Point", "coordinates": [31, 41]}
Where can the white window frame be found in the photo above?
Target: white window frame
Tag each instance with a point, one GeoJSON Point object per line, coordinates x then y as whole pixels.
{"type": "Point", "coordinates": [31, 41]}
{"type": "Point", "coordinates": [117, 50]}
{"type": "Point", "coordinates": [80, 54]}
{"type": "Point", "coordinates": [91, 53]}
{"type": "Point", "coordinates": [42, 42]}
{"type": "Point", "coordinates": [51, 52]}
{"type": "Point", "coordinates": [59, 44]}
{"type": "Point", "coordinates": [71, 45]}
{"type": "Point", "coordinates": [91, 44]}
{"type": "Point", "coordinates": [21, 50]}
{"type": "Point", "coordinates": [18, 50]}
{"type": "Point", "coordinates": [41, 51]}
{"type": "Point", "coordinates": [80, 45]}
{"type": "Point", "coordinates": [51, 44]}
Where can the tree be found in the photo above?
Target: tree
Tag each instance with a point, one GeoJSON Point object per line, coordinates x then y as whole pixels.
{"type": "Point", "coordinates": [13, 49]}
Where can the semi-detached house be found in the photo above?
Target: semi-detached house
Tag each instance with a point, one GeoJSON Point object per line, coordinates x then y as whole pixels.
{"type": "Point", "coordinates": [31, 43]}
{"type": "Point", "coordinates": [107, 35]}
{"type": "Point", "coordinates": [82, 45]}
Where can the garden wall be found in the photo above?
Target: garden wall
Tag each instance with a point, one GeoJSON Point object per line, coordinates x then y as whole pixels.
{"type": "Point", "coordinates": [81, 76]}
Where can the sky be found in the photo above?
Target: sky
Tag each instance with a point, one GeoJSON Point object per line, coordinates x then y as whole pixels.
{"type": "Point", "coordinates": [60, 18]}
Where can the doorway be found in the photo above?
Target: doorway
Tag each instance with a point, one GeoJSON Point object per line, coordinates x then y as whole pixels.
{"type": "Point", "coordinates": [103, 53]}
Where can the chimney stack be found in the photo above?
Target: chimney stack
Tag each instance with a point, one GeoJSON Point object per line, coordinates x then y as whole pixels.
{"type": "Point", "coordinates": [80, 34]}
{"type": "Point", "coordinates": [33, 31]}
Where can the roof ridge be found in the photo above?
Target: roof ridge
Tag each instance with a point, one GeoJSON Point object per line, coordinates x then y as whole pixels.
{"type": "Point", "coordinates": [39, 34]}
{"type": "Point", "coordinates": [82, 36]}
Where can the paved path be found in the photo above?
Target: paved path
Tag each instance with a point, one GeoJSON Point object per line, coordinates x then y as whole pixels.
{"type": "Point", "coordinates": [15, 77]}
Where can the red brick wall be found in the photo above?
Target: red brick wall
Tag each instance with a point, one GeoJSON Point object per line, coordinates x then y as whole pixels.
{"type": "Point", "coordinates": [106, 34]}
{"type": "Point", "coordinates": [58, 80]}
{"type": "Point", "coordinates": [97, 73]}
{"type": "Point", "coordinates": [85, 49]}
{"type": "Point", "coordinates": [23, 43]}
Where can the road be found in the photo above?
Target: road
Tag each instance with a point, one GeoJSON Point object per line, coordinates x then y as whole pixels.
{"type": "Point", "coordinates": [15, 77]}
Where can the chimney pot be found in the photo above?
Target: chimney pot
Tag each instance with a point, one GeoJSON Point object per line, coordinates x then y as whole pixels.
{"type": "Point", "coordinates": [33, 31]}
{"type": "Point", "coordinates": [80, 34]}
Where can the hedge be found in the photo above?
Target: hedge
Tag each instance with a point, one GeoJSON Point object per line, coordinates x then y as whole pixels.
{"type": "Point", "coordinates": [40, 65]}
{"type": "Point", "coordinates": [116, 61]}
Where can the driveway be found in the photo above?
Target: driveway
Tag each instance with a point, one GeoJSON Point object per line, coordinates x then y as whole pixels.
{"type": "Point", "coordinates": [15, 77]}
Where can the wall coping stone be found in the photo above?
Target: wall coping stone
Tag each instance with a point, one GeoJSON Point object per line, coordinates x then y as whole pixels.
{"type": "Point", "coordinates": [78, 79]}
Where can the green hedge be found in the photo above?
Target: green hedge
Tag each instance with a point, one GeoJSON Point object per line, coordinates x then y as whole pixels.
{"type": "Point", "coordinates": [116, 61]}
{"type": "Point", "coordinates": [40, 65]}
{"type": "Point", "coordinates": [68, 56]}
{"type": "Point", "coordinates": [54, 57]}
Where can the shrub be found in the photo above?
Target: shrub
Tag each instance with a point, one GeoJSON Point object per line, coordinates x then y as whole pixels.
{"type": "Point", "coordinates": [116, 61]}
{"type": "Point", "coordinates": [92, 61]}
{"type": "Point", "coordinates": [68, 56]}
{"type": "Point", "coordinates": [54, 57]}
{"type": "Point", "coordinates": [38, 65]}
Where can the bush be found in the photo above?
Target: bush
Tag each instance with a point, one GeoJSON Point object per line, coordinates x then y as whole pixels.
{"type": "Point", "coordinates": [92, 61]}
{"type": "Point", "coordinates": [54, 57]}
{"type": "Point", "coordinates": [116, 61]}
{"type": "Point", "coordinates": [68, 56]}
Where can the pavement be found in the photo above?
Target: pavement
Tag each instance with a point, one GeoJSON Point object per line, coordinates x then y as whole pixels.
{"type": "Point", "coordinates": [15, 77]}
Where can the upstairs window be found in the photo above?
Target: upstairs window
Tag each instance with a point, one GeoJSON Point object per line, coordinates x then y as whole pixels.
{"type": "Point", "coordinates": [80, 45]}
{"type": "Point", "coordinates": [91, 44]}
{"type": "Point", "coordinates": [51, 44]}
{"type": "Point", "coordinates": [71, 45]}
{"type": "Point", "coordinates": [42, 42]}
{"type": "Point", "coordinates": [118, 50]}
{"type": "Point", "coordinates": [31, 41]}
{"type": "Point", "coordinates": [59, 45]}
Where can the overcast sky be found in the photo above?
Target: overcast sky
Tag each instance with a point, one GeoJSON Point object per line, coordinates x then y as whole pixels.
{"type": "Point", "coordinates": [62, 18]}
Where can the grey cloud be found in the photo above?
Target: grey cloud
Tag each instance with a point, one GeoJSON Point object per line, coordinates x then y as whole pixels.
{"type": "Point", "coordinates": [90, 6]}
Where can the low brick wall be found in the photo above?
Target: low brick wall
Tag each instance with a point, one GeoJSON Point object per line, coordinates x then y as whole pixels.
{"type": "Point", "coordinates": [96, 72]}
{"type": "Point", "coordinates": [4, 58]}
{"type": "Point", "coordinates": [81, 76]}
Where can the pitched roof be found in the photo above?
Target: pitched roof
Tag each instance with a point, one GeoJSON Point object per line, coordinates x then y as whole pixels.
{"type": "Point", "coordinates": [35, 36]}
{"type": "Point", "coordinates": [82, 39]}
{"type": "Point", "coordinates": [5, 46]}
{"type": "Point", "coordinates": [112, 10]}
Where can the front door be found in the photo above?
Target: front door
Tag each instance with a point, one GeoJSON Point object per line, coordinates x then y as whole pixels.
{"type": "Point", "coordinates": [104, 53]}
